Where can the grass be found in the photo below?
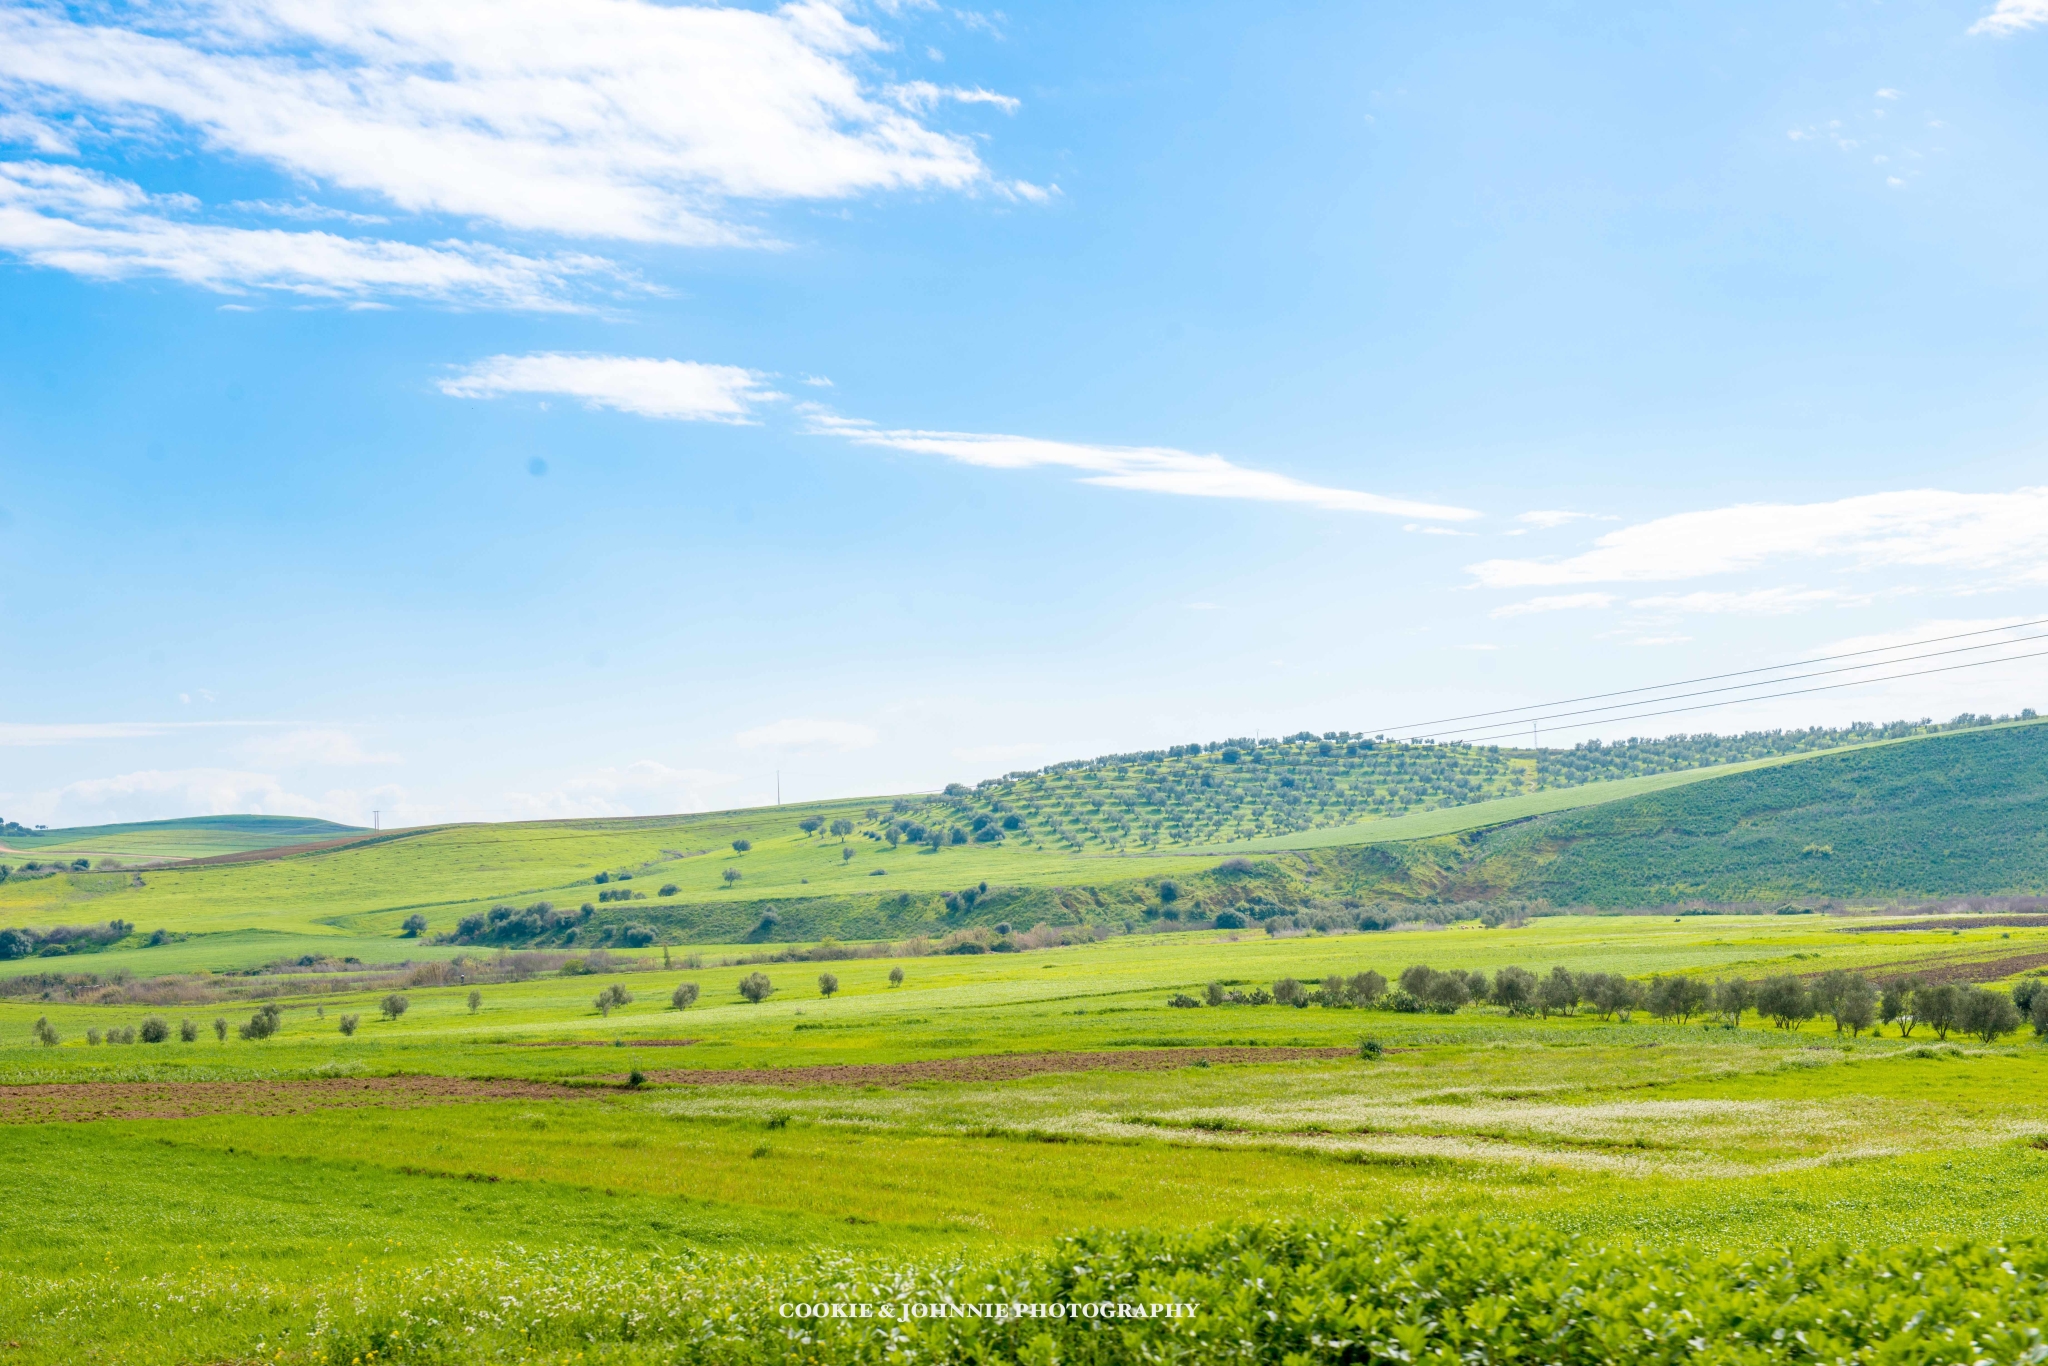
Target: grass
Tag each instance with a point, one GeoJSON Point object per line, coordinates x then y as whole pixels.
{"type": "Point", "coordinates": [189, 838]}
{"type": "Point", "coordinates": [226, 1236]}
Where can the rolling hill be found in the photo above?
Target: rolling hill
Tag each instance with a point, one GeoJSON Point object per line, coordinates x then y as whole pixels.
{"type": "Point", "coordinates": [1948, 811]}
{"type": "Point", "coordinates": [193, 837]}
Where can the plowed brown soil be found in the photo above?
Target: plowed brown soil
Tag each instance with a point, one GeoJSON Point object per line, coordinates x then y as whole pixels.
{"type": "Point", "coordinates": [1001, 1067]}
{"type": "Point", "coordinates": [72, 1102]}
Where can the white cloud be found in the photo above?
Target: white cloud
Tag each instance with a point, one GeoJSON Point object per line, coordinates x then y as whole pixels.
{"type": "Point", "coordinates": [2004, 533]}
{"type": "Point", "coordinates": [1563, 602]}
{"type": "Point", "coordinates": [607, 118]}
{"type": "Point", "coordinates": [808, 733]}
{"type": "Point", "coordinates": [680, 390]}
{"type": "Point", "coordinates": [1152, 469]}
{"type": "Point", "coordinates": [2012, 16]}
{"type": "Point", "coordinates": [327, 748]}
{"type": "Point", "coordinates": [920, 96]}
{"type": "Point", "coordinates": [68, 219]}
{"type": "Point", "coordinates": [643, 788]}
{"type": "Point", "coordinates": [1547, 518]}
{"type": "Point", "coordinates": [1761, 602]}
{"type": "Point", "coordinates": [1887, 94]}
{"type": "Point", "coordinates": [162, 794]}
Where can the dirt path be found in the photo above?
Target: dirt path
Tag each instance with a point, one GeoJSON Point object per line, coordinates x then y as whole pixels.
{"type": "Point", "coordinates": [74, 1102]}
{"type": "Point", "coordinates": [995, 1068]}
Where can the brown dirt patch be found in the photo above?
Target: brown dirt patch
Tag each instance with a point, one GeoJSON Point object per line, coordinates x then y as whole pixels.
{"type": "Point", "coordinates": [75, 1102]}
{"type": "Point", "coordinates": [1948, 970]}
{"type": "Point", "coordinates": [1953, 922]}
{"type": "Point", "coordinates": [997, 1067]}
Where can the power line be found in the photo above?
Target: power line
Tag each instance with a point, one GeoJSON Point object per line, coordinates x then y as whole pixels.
{"type": "Point", "coordinates": [1415, 726]}
{"type": "Point", "coordinates": [1793, 692]}
{"type": "Point", "coordinates": [1773, 682]}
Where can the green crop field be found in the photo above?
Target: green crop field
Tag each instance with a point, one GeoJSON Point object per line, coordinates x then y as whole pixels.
{"type": "Point", "coordinates": [190, 838]}
{"type": "Point", "coordinates": [250, 1114]}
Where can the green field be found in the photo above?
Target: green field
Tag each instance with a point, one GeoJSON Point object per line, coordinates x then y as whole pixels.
{"type": "Point", "coordinates": [190, 838]}
{"type": "Point", "coordinates": [262, 1226]}
{"type": "Point", "coordinates": [568, 1167]}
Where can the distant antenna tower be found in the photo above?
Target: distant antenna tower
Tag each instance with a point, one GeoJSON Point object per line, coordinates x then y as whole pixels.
{"type": "Point", "coordinates": [778, 787]}
{"type": "Point", "coordinates": [376, 820]}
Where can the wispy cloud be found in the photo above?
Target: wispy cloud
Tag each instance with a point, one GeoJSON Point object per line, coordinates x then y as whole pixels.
{"type": "Point", "coordinates": [2012, 16]}
{"type": "Point", "coordinates": [1563, 602]}
{"type": "Point", "coordinates": [677, 390]}
{"type": "Point", "coordinates": [808, 733]}
{"type": "Point", "coordinates": [620, 119]}
{"type": "Point", "coordinates": [69, 219]}
{"type": "Point", "coordinates": [1151, 469]}
{"type": "Point", "coordinates": [1761, 602]}
{"type": "Point", "coordinates": [921, 96]}
{"type": "Point", "coordinates": [2004, 533]}
{"type": "Point", "coordinates": [18, 733]}
{"type": "Point", "coordinates": [157, 794]}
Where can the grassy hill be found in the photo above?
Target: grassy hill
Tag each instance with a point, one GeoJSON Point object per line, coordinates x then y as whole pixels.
{"type": "Point", "coordinates": [1949, 813]}
{"type": "Point", "coordinates": [1963, 814]}
{"type": "Point", "coordinates": [1195, 796]}
{"type": "Point", "coordinates": [193, 837]}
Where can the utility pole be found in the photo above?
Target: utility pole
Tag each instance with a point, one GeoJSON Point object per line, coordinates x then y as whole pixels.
{"type": "Point", "coordinates": [778, 787]}
{"type": "Point", "coordinates": [376, 820]}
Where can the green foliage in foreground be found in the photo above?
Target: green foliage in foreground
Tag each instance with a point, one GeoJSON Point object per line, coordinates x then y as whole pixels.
{"type": "Point", "coordinates": [1423, 1290]}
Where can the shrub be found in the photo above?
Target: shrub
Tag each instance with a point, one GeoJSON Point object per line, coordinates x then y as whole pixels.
{"type": "Point", "coordinates": [611, 998]}
{"type": "Point", "coordinates": [1366, 988]}
{"type": "Point", "coordinates": [1182, 1000]}
{"type": "Point", "coordinates": [1369, 1048]}
{"type": "Point", "coordinates": [2038, 1013]}
{"type": "Point", "coordinates": [125, 1034]}
{"type": "Point", "coordinates": [1169, 891]}
{"type": "Point", "coordinates": [827, 984]}
{"type": "Point", "coordinates": [393, 1006]}
{"type": "Point", "coordinates": [1286, 991]}
{"type": "Point", "coordinates": [155, 1029]}
{"type": "Point", "coordinates": [44, 1032]}
{"type": "Point", "coordinates": [476, 1000]}
{"type": "Point", "coordinates": [636, 1078]}
{"type": "Point", "coordinates": [1213, 993]}
{"type": "Point", "coordinates": [741, 846]}
{"type": "Point", "coordinates": [188, 1031]}
{"type": "Point", "coordinates": [684, 996]}
{"type": "Point", "coordinates": [668, 889]}
{"type": "Point", "coordinates": [811, 825]}
{"type": "Point", "coordinates": [220, 1029]}
{"type": "Point", "coordinates": [756, 987]}
{"type": "Point", "coordinates": [349, 1023]}
{"type": "Point", "coordinates": [896, 977]}
{"type": "Point", "coordinates": [1230, 920]}
{"type": "Point", "coordinates": [414, 925]}
{"type": "Point", "coordinates": [92, 1037]}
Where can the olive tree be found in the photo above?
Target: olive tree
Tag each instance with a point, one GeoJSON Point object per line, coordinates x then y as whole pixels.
{"type": "Point", "coordinates": [44, 1032]}
{"type": "Point", "coordinates": [611, 998]}
{"type": "Point", "coordinates": [414, 925]}
{"type": "Point", "coordinates": [1515, 989]}
{"type": "Point", "coordinates": [393, 1006]}
{"type": "Point", "coordinates": [1937, 1007]}
{"type": "Point", "coordinates": [1987, 1014]}
{"type": "Point", "coordinates": [827, 984]}
{"type": "Point", "coordinates": [756, 987]}
{"type": "Point", "coordinates": [188, 1031]}
{"type": "Point", "coordinates": [348, 1025]}
{"type": "Point", "coordinates": [1732, 998]}
{"type": "Point", "coordinates": [476, 1001]}
{"type": "Point", "coordinates": [1784, 1001]}
{"type": "Point", "coordinates": [220, 1029]}
{"type": "Point", "coordinates": [155, 1029]}
{"type": "Point", "coordinates": [684, 996]}
{"type": "Point", "coordinates": [896, 977]}
{"type": "Point", "coordinates": [1559, 991]}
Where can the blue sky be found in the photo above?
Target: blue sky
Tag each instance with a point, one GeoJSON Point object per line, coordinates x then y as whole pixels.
{"type": "Point", "coordinates": [522, 410]}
